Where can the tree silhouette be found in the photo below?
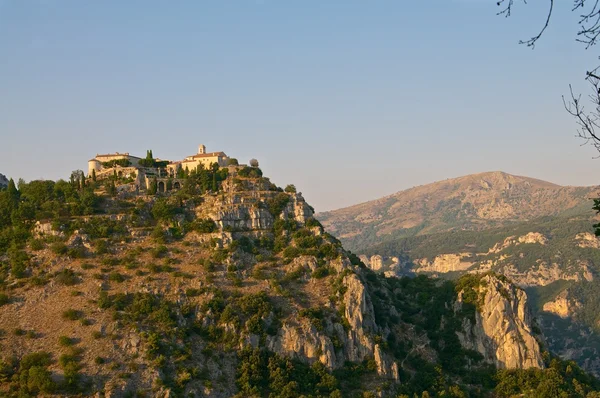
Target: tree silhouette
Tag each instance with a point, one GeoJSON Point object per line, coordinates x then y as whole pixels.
{"type": "Point", "coordinates": [588, 33]}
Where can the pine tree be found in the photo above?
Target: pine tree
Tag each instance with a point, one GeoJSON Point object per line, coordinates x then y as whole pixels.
{"type": "Point", "coordinates": [94, 175]}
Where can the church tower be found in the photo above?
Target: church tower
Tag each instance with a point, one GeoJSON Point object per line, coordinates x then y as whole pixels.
{"type": "Point", "coordinates": [201, 149]}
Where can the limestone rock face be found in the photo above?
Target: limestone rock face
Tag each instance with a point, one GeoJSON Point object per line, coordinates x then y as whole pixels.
{"type": "Point", "coordinates": [502, 332]}
{"type": "Point", "coordinates": [45, 229]}
{"type": "Point", "coordinates": [544, 274]}
{"type": "Point", "coordinates": [445, 263]}
{"type": "Point", "coordinates": [304, 341]}
{"type": "Point", "coordinates": [587, 239]}
{"type": "Point", "coordinates": [79, 239]}
{"type": "Point", "coordinates": [562, 305]}
{"type": "Point", "coordinates": [297, 208]}
{"type": "Point", "coordinates": [375, 262]}
{"type": "Point", "coordinates": [243, 217]}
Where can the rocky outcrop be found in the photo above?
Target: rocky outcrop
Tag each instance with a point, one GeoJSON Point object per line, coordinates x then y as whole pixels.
{"type": "Point", "coordinates": [562, 305]}
{"type": "Point", "coordinates": [45, 229]}
{"type": "Point", "coordinates": [79, 239]}
{"type": "Point", "coordinates": [544, 274]}
{"type": "Point", "coordinates": [502, 332]}
{"type": "Point", "coordinates": [445, 263]}
{"type": "Point", "coordinates": [246, 217]}
{"type": "Point", "coordinates": [304, 341]}
{"type": "Point", "coordinates": [3, 181]}
{"type": "Point", "coordinates": [587, 239]}
{"type": "Point", "coordinates": [297, 208]}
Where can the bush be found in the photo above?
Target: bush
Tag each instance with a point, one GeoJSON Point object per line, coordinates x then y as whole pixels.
{"type": "Point", "coordinates": [205, 226]}
{"type": "Point", "coordinates": [101, 246]}
{"type": "Point", "coordinates": [159, 251]}
{"type": "Point", "coordinates": [321, 272]}
{"type": "Point", "coordinates": [291, 188]}
{"type": "Point", "coordinates": [4, 299]}
{"type": "Point", "coordinates": [37, 244]}
{"type": "Point", "coordinates": [278, 203]}
{"type": "Point", "coordinates": [59, 248]}
{"type": "Point", "coordinates": [116, 277]}
{"type": "Point", "coordinates": [291, 252]}
{"type": "Point", "coordinates": [72, 315]}
{"type": "Point", "coordinates": [65, 341]}
{"type": "Point", "coordinates": [66, 277]}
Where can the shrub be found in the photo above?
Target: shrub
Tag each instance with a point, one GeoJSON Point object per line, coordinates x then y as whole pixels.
{"type": "Point", "coordinates": [72, 315]}
{"type": "Point", "coordinates": [65, 341]}
{"type": "Point", "coordinates": [278, 203]}
{"type": "Point", "coordinates": [291, 252]}
{"type": "Point", "coordinates": [205, 226]}
{"type": "Point", "coordinates": [37, 244]}
{"type": "Point", "coordinates": [4, 299]}
{"type": "Point", "coordinates": [38, 379]}
{"type": "Point", "coordinates": [159, 251]}
{"type": "Point", "coordinates": [101, 246]}
{"type": "Point", "coordinates": [59, 248]}
{"type": "Point", "coordinates": [66, 277]}
{"type": "Point", "coordinates": [291, 188]}
{"type": "Point", "coordinates": [116, 277]}
{"type": "Point", "coordinates": [99, 360]}
{"type": "Point", "coordinates": [321, 272]}
{"type": "Point", "coordinates": [19, 332]}
{"type": "Point", "coordinates": [192, 292]}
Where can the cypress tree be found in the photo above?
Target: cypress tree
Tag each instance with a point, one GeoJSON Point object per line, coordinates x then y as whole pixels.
{"type": "Point", "coordinates": [12, 190]}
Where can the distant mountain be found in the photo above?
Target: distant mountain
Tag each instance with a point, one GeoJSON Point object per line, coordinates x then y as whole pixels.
{"type": "Point", "coordinates": [473, 202]}
{"type": "Point", "coordinates": [538, 234]}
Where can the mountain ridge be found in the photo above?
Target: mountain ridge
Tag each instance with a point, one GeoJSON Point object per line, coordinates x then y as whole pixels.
{"type": "Point", "coordinates": [471, 202]}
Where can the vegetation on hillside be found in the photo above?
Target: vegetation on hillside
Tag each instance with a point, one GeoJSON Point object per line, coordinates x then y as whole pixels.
{"type": "Point", "coordinates": [146, 294]}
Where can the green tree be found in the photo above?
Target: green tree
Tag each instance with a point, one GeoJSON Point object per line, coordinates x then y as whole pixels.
{"type": "Point", "coordinates": [153, 188]}
{"type": "Point", "coordinates": [291, 188]}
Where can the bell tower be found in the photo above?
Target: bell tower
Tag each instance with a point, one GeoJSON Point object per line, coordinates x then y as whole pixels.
{"type": "Point", "coordinates": [201, 149]}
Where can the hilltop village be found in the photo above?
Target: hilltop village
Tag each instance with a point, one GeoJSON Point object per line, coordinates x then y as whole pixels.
{"type": "Point", "coordinates": [155, 174]}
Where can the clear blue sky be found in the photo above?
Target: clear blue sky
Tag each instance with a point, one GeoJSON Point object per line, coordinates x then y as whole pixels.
{"type": "Point", "coordinates": [349, 99]}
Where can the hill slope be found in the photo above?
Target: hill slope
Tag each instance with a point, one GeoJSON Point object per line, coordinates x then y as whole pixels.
{"type": "Point", "coordinates": [473, 202]}
{"type": "Point", "coordinates": [230, 287]}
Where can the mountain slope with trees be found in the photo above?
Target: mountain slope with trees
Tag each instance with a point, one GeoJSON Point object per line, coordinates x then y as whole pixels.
{"type": "Point", "coordinates": [230, 287]}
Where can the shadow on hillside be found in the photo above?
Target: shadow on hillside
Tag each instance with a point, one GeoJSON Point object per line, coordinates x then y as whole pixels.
{"type": "Point", "coordinates": [571, 341]}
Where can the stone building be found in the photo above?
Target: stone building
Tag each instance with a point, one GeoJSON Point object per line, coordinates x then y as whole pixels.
{"type": "Point", "coordinates": [206, 159]}
{"type": "Point", "coordinates": [98, 163]}
{"type": "Point", "coordinates": [125, 165]}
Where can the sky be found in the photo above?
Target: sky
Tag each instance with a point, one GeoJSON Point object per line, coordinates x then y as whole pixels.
{"type": "Point", "coordinates": [349, 100]}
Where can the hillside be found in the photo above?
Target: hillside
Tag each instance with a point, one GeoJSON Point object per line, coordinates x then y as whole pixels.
{"type": "Point", "coordinates": [556, 259]}
{"type": "Point", "coordinates": [229, 286]}
{"type": "Point", "coordinates": [473, 202]}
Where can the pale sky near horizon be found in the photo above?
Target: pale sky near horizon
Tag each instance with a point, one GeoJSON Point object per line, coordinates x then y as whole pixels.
{"type": "Point", "coordinates": [347, 99]}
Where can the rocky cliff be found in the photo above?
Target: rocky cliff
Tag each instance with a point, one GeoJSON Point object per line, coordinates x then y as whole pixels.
{"type": "Point", "coordinates": [503, 329]}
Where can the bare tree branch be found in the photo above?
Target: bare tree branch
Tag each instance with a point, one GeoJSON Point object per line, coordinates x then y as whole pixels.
{"type": "Point", "coordinates": [531, 42]}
